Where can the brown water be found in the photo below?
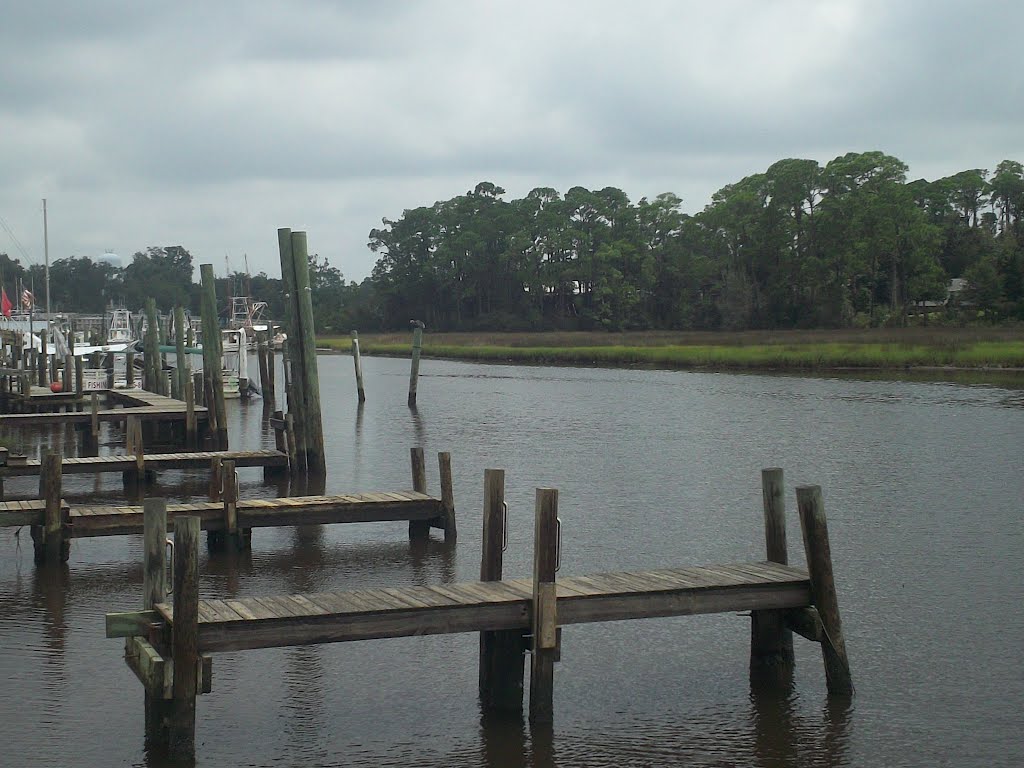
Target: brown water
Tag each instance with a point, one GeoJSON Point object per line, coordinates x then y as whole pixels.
{"type": "Point", "coordinates": [923, 484]}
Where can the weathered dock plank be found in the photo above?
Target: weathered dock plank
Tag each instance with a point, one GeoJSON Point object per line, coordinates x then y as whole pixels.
{"type": "Point", "coordinates": [329, 617]}
{"type": "Point", "coordinates": [153, 462]}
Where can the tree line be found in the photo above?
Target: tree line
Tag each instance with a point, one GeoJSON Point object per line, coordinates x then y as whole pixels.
{"type": "Point", "coordinates": [801, 245]}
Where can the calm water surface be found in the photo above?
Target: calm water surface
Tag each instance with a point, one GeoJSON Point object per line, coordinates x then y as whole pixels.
{"type": "Point", "coordinates": [923, 484]}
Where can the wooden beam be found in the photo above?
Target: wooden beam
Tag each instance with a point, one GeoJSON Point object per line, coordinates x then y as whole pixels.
{"type": "Point", "coordinates": [544, 616]}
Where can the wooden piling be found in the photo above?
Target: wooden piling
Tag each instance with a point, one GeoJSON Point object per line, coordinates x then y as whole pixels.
{"type": "Point", "coordinates": [190, 413]}
{"type": "Point", "coordinates": [261, 357]}
{"type": "Point", "coordinates": [179, 349]}
{"type": "Point", "coordinates": [67, 379]}
{"type": "Point", "coordinates": [216, 478]}
{"type": "Point", "coordinates": [771, 643]}
{"type": "Point", "coordinates": [151, 350]}
{"type": "Point", "coordinates": [502, 653]}
{"type": "Point", "coordinates": [418, 528]}
{"type": "Point", "coordinates": [544, 609]}
{"type": "Point", "coordinates": [49, 541]}
{"type": "Point", "coordinates": [79, 381]}
{"type": "Point", "coordinates": [129, 370]}
{"type": "Point", "coordinates": [94, 424]}
{"type": "Point", "coordinates": [154, 590]}
{"type": "Point", "coordinates": [309, 423]}
{"type": "Point", "coordinates": [414, 372]}
{"type": "Point", "coordinates": [444, 465]}
{"type": "Point", "coordinates": [823, 588]}
{"type": "Point", "coordinates": [185, 637]}
{"type": "Point", "coordinates": [357, 360]}
{"type": "Point", "coordinates": [212, 365]}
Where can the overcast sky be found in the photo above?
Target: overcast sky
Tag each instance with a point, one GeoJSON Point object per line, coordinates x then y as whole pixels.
{"type": "Point", "coordinates": [212, 124]}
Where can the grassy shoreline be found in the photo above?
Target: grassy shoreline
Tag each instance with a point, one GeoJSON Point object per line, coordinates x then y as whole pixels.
{"type": "Point", "coordinates": [877, 349]}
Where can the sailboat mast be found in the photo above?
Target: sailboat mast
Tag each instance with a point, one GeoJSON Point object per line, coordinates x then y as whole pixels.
{"type": "Point", "coordinates": [46, 255]}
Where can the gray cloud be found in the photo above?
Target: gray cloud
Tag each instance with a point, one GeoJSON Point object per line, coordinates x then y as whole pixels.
{"type": "Point", "coordinates": [211, 124]}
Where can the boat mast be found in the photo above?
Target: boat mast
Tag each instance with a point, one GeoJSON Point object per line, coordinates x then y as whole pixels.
{"type": "Point", "coordinates": [46, 256]}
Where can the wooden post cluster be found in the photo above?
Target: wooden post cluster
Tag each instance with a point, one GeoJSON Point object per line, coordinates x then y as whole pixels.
{"type": "Point", "coordinates": [419, 529]}
{"type": "Point", "coordinates": [212, 365]}
{"type": "Point", "coordinates": [304, 396]}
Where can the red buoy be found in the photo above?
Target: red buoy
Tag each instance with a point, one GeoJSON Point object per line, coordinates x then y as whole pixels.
{"type": "Point", "coordinates": [55, 386]}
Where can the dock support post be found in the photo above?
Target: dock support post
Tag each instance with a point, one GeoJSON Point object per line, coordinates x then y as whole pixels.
{"type": "Point", "coordinates": [79, 381]}
{"type": "Point", "coordinates": [185, 637]}
{"type": "Point", "coordinates": [154, 590]}
{"type": "Point", "coordinates": [447, 521]}
{"type": "Point", "coordinates": [129, 370]}
{"type": "Point", "coordinates": [543, 608]}
{"type": "Point", "coordinates": [94, 424]}
{"type": "Point", "coordinates": [358, 362]}
{"type": "Point", "coordinates": [190, 413]}
{"type": "Point", "coordinates": [48, 540]}
{"type": "Point", "coordinates": [502, 652]}
{"type": "Point", "coordinates": [414, 371]}
{"type": "Point", "coordinates": [67, 379]}
{"type": "Point", "coordinates": [418, 528]}
{"type": "Point", "coordinates": [180, 358]}
{"type": "Point", "coordinates": [302, 341]}
{"type": "Point", "coordinates": [216, 478]}
{"type": "Point", "coordinates": [151, 350]}
{"type": "Point", "coordinates": [771, 643]}
{"type": "Point", "coordinates": [823, 588]}
{"type": "Point", "coordinates": [264, 366]}
{"type": "Point", "coordinates": [212, 362]}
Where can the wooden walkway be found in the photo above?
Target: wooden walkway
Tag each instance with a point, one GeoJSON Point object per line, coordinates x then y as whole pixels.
{"type": "Point", "coordinates": [152, 462]}
{"type": "Point", "coordinates": [107, 415]}
{"type": "Point", "coordinates": [84, 521]}
{"type": "Point", "coordinates": [330, 617]}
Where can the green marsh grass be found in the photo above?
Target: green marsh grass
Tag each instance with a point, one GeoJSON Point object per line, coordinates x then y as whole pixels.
{"type": "Point", "coordinates": [881, 349]}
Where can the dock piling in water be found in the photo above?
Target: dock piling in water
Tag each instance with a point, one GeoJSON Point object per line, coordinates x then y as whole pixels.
{"type": "Point", "coordinates": [358, 362]}
{"type": "Point", "coordinates": [502, 652]}
{"type": "Point", "coordinates": [771, 642]}
{"type": "Point", "coordinates": [418, 528]}
{"type": "Point", "coordinates": [414, 372]}
{"type": "Point", "coordinates": [823, 588]}
{"type": "Point", "coordinates": [544, 612]}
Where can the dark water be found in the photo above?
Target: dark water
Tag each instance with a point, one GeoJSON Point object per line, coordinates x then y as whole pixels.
{"type": "Point", "coordinates": [923, 485]}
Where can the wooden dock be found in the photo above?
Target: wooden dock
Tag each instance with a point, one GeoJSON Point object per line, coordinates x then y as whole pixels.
{"type": "Point", "coordinates": [331, 617]}
{"type": "Point", "coordinates": [155, 462]}
{"type": "Point", "coordinates": [228, 514]}
{"type": "Point", "coordinates": [168, 644]}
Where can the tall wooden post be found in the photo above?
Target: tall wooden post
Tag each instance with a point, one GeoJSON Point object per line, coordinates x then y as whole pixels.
{"type": "Point", "coordinates": [41, 360]}
{"type": "Point", "coordinates": [154, 590]}
{"type": "Point", "coordinates": [79, 381]}
{"type": "Point", "coordinates": [190, 413]}
{"type": "Point", "coordinates": [357, 361]}
{"type": "Point", "coordinates": [49, 542]}
{"type": "Point", "coordinates": [544, 609]}
{"type": "Point", "coordinates": [414, 371]}
{"type": "Point", "coordinates": [418, 528]}
{"type": "Point", "coordinates": [266, 389]}
{"type": "Point", "coordinates": [151, 350]}
{"type": "Point", "coordinates": [295, 259]}
{"type": "Point", "coordinates": [68, 374]}
{"type": "Point", "coordinates": [502, 652]}
{"type": "Point", "coordinates": [129, 370]}
{"type": "Point", "coordinates": [185, 637]}
{"type": "Point", "coordinates": [293, 378]}
{"type": "Point", "coordinates": [212, 354]}
{"type": "Point", "coordinates": [823, 588]}
{"type": "Point", "coordinates": [771, 643]}
{"type": "Point", "coordinates": [181, 367]}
